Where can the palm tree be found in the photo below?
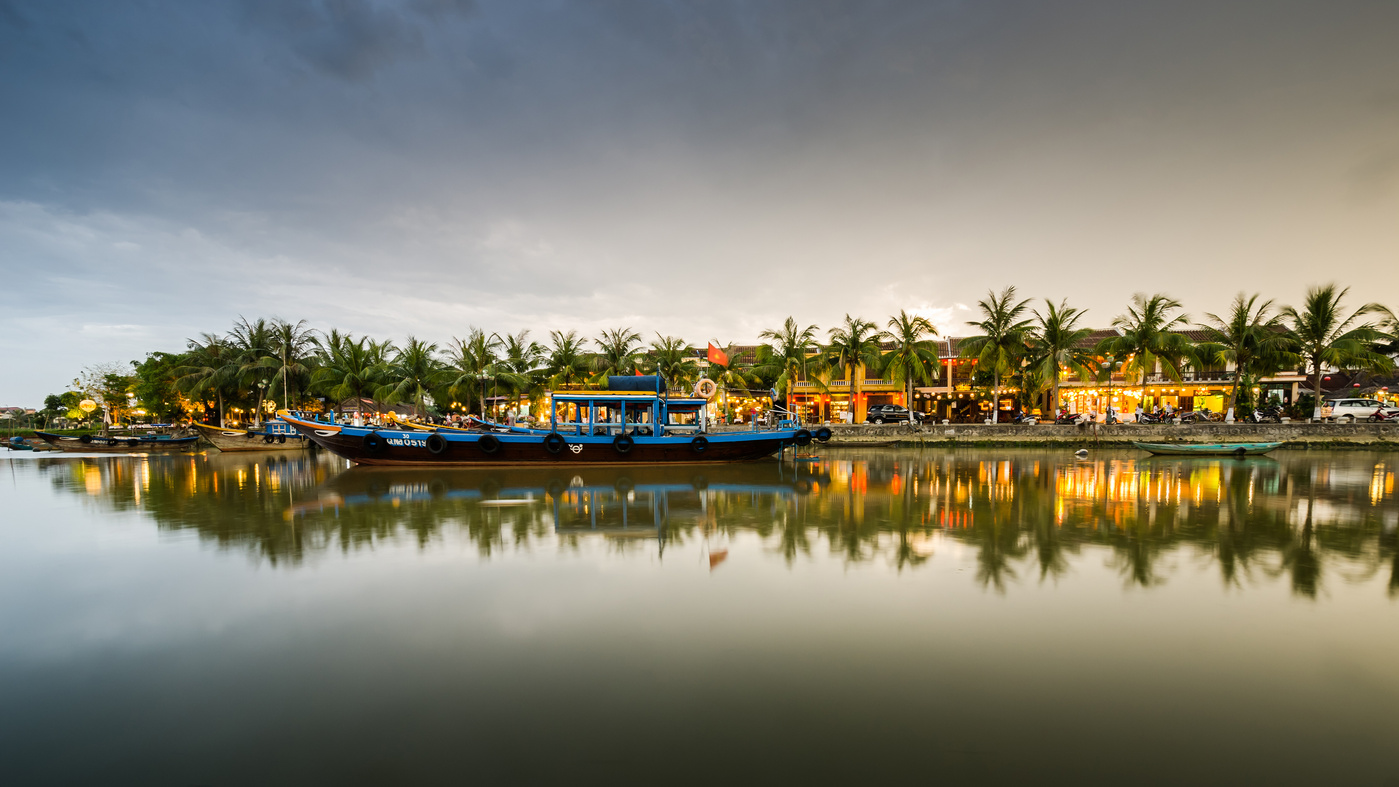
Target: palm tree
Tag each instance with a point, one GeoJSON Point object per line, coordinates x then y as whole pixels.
{"type": "Point", "coordinates": [349, 368]}
{"type": "Point", "coordinates": [254, 342]}
{"type": "Point", "coordinates": [729, 375]}
{"type": "Point", "coordinates": [618, 351]}
{"type": "Point", "coordinates": [854, 345]}
{"type": "Point", "coordinates": [1323, 335]}
{"type": "Point", "coordinates": [912, 355]}
{"type": "Point", "coordinates": [1056, 345]}
{"type": "Point", "coordinates": [1001, 345]}
{"type": "Point", "coordinates": [412, 375]}
{"type": "Point", "coordinates": [675, 360]}
{"type": "Point", "coordinates": [567, 363]}
{"type": "Point", "coordinates": [521, 362]}
{"type": "Point", "coordinates": [473, 361]}
{"type": "Point", "coordinates": [1251, 338]}
{"type": "Point", "coordinates": [791, 352]}
{"type": "Point", "coordinates": [291, 348]}
{"type": "Point", "coordinates": [1150, 332]}
{"type": "Point", "coordinates": [210, 365]}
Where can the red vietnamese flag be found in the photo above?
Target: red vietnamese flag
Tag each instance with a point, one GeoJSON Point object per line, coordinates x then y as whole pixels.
{"type": "Point", "coordinates": [717, 355]}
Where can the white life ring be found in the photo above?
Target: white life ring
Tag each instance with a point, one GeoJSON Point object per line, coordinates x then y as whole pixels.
{"type": "Point", "coordinates": [706, 388]}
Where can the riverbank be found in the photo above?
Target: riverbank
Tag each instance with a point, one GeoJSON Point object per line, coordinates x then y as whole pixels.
{"type": "Point", "coordinates": [1361, 435]}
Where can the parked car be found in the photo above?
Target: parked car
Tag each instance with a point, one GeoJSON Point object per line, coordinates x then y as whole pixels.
{"type": "Point", "coordinates": [881, 413]}
{"type": "Point", "coordinates": [1355, 409]}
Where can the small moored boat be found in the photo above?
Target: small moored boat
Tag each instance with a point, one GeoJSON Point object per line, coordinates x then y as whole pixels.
{"type": "Point", "coordinates": [633, 422]}
{"type": "Point", "coordinates": [17, 444]}
{"type": "Point", "coordinates": [1207, 449]}
{"type": "Point", "coordinates": [95, 444]}
{"type": "Point", "coordinates": [275, 435]}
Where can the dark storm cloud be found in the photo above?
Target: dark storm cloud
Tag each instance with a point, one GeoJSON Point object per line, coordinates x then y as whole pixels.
{"type": "Point", "coordinates": [421, 166]}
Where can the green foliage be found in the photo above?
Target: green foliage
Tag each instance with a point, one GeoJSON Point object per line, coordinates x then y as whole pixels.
{"type": "Point", "coordinates": [1002, 345]}
{"type": "Point", "coordinates": [1325, 336]}
{"type": "Point", "coordinates": [790, 355]}
{"type": "Point", "coordinates": [1150, 333]}
{"type": "Point", "coordinates": [155, 386]}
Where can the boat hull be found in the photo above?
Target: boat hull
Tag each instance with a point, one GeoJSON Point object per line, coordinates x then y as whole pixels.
{"type": "Point", "coordinates": [241, 440]}
{"type": "Point", "coordinates": [395, 447]}
{"type": "Point", "coordinates": [1207, 449]}
{"type": "Point", "coordinates": [120, 445]}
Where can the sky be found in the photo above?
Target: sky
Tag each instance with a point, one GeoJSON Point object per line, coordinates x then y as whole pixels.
{"type": "Point", "coordinates": [702, 169]}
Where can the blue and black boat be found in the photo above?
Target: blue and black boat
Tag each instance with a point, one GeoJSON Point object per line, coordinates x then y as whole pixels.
{"type": "Point", "coordinates": [633, 421]}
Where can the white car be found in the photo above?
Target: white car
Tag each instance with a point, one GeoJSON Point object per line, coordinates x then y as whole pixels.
{"type": "Point", "coordinates": [1349, 410]}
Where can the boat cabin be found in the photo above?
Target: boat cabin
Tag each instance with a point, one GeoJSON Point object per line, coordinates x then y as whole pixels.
{"type": "Point", "coordinates": [279, 427]}
{"type": "Point", "coordinates": [630, 405]}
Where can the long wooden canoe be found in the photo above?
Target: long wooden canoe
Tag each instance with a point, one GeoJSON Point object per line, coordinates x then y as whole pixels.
{"type": "Point", "coordinates": [275, 436]}
{"type": "Point", "coordinates": [1207, 449]}
{"type": "Point", "coordinates": [93, 444]}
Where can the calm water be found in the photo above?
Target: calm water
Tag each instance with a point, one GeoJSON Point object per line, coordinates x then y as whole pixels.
{"type": "Point", "coordinates": [972, 617]}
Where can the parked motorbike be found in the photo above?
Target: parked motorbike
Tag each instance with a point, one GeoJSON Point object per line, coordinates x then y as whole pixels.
{"type": "Point", "coordinates": [1151, 418]}
{"type": "Point", "coordinates": [1070, 419]}
{"type": "Point", "coordinates": [1267, 415]}
{"type": "Point", "coordinates": [1380, 415]}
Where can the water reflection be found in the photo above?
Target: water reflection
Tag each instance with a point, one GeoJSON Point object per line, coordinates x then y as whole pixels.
{"type": "Point", "coordinates": [1310, 518]}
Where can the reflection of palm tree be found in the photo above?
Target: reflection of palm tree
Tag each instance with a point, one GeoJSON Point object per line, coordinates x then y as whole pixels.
{"type": "Point", "coordinates": [1300, 560]}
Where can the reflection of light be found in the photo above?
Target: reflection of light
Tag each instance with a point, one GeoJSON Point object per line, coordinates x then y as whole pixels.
{"type": "Point", "coordinates": [92, 480]}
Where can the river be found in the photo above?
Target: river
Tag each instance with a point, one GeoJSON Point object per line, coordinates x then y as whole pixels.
{"type": "Point", "coordinates": [992, 616]}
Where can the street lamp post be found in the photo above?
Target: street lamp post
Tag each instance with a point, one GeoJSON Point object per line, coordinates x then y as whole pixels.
{"type": "Point", "coordinates": [1108, 418]}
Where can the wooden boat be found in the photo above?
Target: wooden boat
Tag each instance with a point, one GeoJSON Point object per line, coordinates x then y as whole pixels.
{"type": "Point", "coordinates": [1207, 449]}
{"type": "Point", "coordinates": [273, 436]}
{"type": "Point", "coordinates": [632, 422]}
{"type": "Point", "coordinates": [94, 444]}
{"type": "Point", "coordinates": [17, 444]}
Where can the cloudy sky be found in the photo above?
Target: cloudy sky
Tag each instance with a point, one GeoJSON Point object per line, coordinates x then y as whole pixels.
{"type": "Point", "coordinates": [701, 168]}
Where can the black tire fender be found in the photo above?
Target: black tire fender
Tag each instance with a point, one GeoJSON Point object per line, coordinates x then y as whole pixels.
{"type": "Point", "coordinates": [554, 442]}
{"type": "Point", "coordinates": [623, 443]}
{"type": "Point", "coordinates": [436, 443]}
{"type": "Point", "coordinates": [488, 443]}
{"type": "Point", "coordinates": [700, 444]}
{"type": "Point", "coordinates": [281, 438]}
{"type": "Point", "coordinates": [269, 439]}
{"type": "Point", "coordinates": [823, 434]}
{"type": "Point", "coordinates": [802, 437]}
{"type": "Point", "coordinates": [85, 439]}
{"type": "Point", "coordinates": [373, 443]}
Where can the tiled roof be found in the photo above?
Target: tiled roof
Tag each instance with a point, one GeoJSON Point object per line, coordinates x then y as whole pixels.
{"type": "Point", "coordinates": [1096, 337]}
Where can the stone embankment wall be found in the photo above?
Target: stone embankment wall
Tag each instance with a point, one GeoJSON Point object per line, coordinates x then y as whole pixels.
{"type": "Point", "coordinates": [1361, 435]}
